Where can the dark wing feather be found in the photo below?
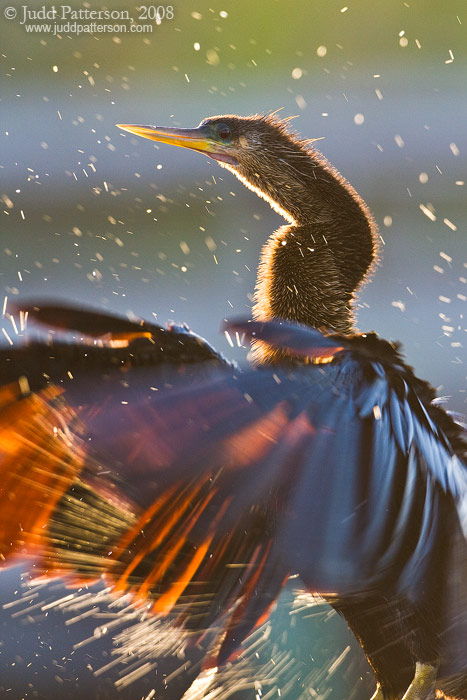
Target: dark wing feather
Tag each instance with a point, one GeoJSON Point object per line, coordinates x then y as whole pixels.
{"type": "Point", "coordinates": [299, 341]}
{"type": "Point", "coordinates": [121, 345]}
{"type": "Point", "coordinates": [91, 323]}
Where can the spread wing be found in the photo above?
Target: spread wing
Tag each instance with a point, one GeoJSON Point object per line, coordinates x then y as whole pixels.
{"type": "Point", "coordinates": [39, 454]}
{"type": "Point", "coordinates": [334, 467]}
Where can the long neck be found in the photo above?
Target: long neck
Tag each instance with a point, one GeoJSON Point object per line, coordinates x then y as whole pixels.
{"type": "Point", "coordinates": [310, 269]}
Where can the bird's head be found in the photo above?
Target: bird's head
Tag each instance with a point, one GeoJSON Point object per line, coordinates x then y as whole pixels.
{"type": "Point", "coordinates": [240, 143]}
{"type": "Point", "coordinates": [260, 150]}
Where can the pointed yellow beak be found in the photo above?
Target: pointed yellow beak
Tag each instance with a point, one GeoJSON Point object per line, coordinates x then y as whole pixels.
{"type": "Point", "coordinates": [197, 139]}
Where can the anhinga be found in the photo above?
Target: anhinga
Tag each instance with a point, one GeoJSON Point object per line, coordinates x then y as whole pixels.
{"type": "Point", "coordinates": [329, 459]}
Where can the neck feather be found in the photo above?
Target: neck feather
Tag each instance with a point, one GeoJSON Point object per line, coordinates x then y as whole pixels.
{"type": "Point", "coordinates": [310, 269]}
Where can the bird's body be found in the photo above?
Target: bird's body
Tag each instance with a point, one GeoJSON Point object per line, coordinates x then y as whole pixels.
{"type": "Point", "coordinates": [355, 479]}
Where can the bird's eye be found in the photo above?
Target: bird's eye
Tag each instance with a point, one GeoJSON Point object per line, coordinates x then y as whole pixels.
{"type": "Point", "coordinates": [224, 132]}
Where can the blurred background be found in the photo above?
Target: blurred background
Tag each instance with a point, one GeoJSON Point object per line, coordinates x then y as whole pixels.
{"type": "Point", "coordinates": [100, 218]}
